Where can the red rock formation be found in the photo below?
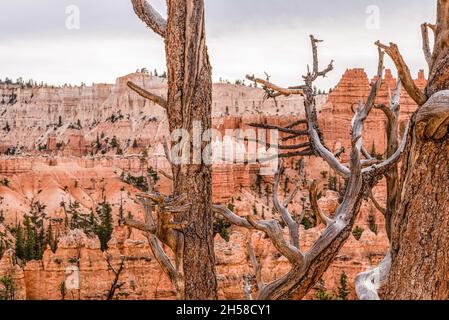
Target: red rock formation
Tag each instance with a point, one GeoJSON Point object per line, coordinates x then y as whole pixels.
{"type": "Point", "coordinates": [336, 114]}
{"type": "Point", "coordinates": [70, 174]}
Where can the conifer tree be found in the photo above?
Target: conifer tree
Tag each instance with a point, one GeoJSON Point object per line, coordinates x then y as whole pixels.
{"type": "Point", "coordinates": [104, 229]}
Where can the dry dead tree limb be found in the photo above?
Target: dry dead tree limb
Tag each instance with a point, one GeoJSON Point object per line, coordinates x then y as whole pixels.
{"type": "Point", "coordinates": [255, 263]}
{"type": "Point", "coordinates": [313, 196]}
{"type": "Point", "coordinates": [281, 129]}
{"type": "Point", "coordinates": [366, 154]}
{"type": "Point", "coordinates": [300, 276]}
{"type": "Point", "coordinates": [299, 183]}
{"type": "Point", "coordinates": [139, 226]}
{"type": "Point", "coordinates": [148, 95]}
{"type": "Point", "coordinates": [296, 123]}
{"type": "Point", "coordinates": [247, 289]}
{"type": "Point", "coordinates": [164, 230]}
{"type": "Point", "coordinates": [393, 194]}
{"type": "Point", "coordinates": [303, 153]}
{"type": "Point", "coordinates": [426, 44]}
{"type": "Point", "coordinates": [281, 91]}
{"type": "Point", "coordinates": [376, 203]}
{"type": "Point", "coordinates": [291, 137]}
{"type": "Point", "coordinates": [312, 76]}
{"type": "Point", "coordinates": [282, 209]}
{"type": "Point", "coordinates": [115, 283]}
{"type": "Point", "coordinates": [404, 73]}
{"type": "Point", "coordinates": [307, 268]}
{"type": "Point", "coordinates": [150, 16]}
{"type": "Point", "coordinates": [275, 146]}
{"type": "Point", "coordinates": [368, 283]}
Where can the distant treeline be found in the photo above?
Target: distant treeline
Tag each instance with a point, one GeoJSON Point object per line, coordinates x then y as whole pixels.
{"type": "Point", "coordinates": [20, 82]}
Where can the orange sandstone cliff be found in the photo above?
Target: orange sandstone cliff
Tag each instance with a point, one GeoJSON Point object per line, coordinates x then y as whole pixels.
{"type": "Point", "coordinates": [57, 146]}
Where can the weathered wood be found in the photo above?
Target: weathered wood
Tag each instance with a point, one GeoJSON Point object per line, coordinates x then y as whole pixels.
{"type": "Point", "coordinates": [307, 268]}
{"type": "Point", "coordinates": [419, 234]}
{"type": "Point", "coordinates": [189, 100]}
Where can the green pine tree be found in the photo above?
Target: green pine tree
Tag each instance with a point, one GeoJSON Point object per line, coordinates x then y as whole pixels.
{"type": "Point", "coordinates": [30, 240]}
{"type": "Point", "coordinates": [52, 240]}
{"type": "Point", "coordinates": [20, 242]}
{"type": "Point", "coordinates": [104, 228]}
{"type": "Point", "coordinates": [343, 291]}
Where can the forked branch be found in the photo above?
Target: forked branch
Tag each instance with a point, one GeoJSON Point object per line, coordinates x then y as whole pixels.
{"type": "Point", "coordinates": [164, 230]}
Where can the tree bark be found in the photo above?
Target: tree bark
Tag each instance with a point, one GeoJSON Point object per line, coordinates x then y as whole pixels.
{"type": "Point", "coordinates": [439, 76]}
{"type": "Point", "coordinates": [420, 237]}
{"type": "Point", "coordinates": [189, 100]}
{"type": "Point", "coordinates": [420, 234]}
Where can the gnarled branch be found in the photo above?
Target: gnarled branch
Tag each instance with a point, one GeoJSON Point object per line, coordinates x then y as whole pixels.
{"type": "Point", "coordinates": [150, 16]}
{"type": "Point", "coordinates": [293, 226]}
{"type": "Point", "coordinates": [404, 73]}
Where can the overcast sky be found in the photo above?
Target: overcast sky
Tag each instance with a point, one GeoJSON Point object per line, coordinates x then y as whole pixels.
{"type": "Point", "coordinates": [244, 36]}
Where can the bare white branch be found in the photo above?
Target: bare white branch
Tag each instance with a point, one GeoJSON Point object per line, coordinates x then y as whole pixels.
{"type": "Point", "coordinates": [283, 210]}
{"type": "Point", "coordinates": [368, 283]}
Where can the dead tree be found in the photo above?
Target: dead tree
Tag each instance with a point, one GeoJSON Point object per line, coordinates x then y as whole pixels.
{"type": "Point", "coordinates": [189, 99]}
{"type": "Point", "coordinates": [368, 283]}
{"type": "Point", "coordinates": [361, 175]}
{"type": "Point", "coordinates": [419, 237]}
{"type": "Point", "coordinates": [116, 285]}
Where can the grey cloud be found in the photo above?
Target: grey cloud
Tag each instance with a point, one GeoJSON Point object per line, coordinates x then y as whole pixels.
{"type": "Point", "coordinates": [255, 34]}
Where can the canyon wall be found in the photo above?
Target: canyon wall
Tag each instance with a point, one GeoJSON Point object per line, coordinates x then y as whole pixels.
{"type": "Point", "coordinates": [59, 149]}
{"type": "Point", "coordinates": [336, 115]}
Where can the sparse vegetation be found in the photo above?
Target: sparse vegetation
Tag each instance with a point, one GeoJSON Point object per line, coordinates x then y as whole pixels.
{"type": "Point", "coordinates": [358, 232]}
{"type": "Point", "coordinates": [372, 223]}
{"type": "Point", "coordinates": [5, 182]}
{"type": "Point", "coordinates": [7, 288]}
{"type": "Point", "coordinates": [221, 227]}
{"type": "Point", "coordinates": [31, 238]}
{"type": "Point", "coordinates": [343, 290]}
{"type": "Point", "coordinates": [322, 293]}
{"type": "Point", "coordinates": [137, 182]}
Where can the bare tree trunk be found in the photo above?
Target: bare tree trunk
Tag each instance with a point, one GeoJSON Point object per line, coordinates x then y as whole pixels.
{"type": "Point", "coordinates": [190, 99]}
{"type": "Point", "coordinates": [420, 237]}
{"type": "Point", "coordinates": [189, 104]}
{"type": "Point", "coordinates": [420, 234]}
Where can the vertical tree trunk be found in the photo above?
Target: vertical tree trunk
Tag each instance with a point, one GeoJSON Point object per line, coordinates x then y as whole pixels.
{"type": "Point", "coordinates": [420, 229]}
{"type": "Point", "coordinates": [189, 100]}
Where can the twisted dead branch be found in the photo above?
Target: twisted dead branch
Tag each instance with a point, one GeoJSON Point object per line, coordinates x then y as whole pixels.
{"type": "Point", "coordinates": [163, 231]}
{"type": "Point", "coordinates": [116, 285]}
{"type": "Point", "coordinates": [307, 267]}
